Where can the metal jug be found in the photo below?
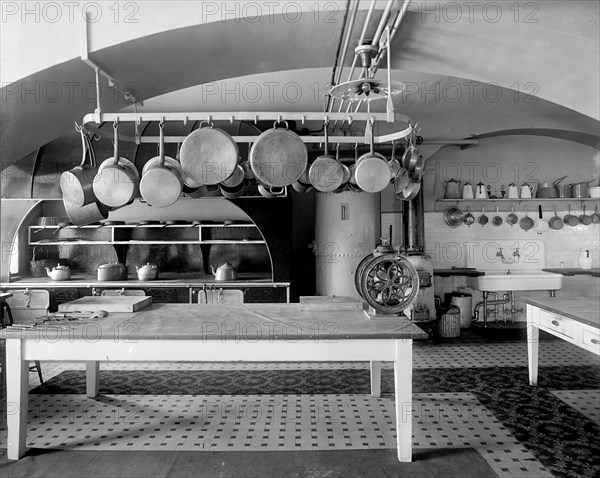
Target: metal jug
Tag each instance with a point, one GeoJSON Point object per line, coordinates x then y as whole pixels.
{"type": "Point", "coordinates": [526, 191]}
{"type": "Point", "coordinates": [467, 191]}
{"type": "Point", "coordinates": [480, 191]}
{"type": "Point", "coordinates": [513, 191]}
{"type": "Point", "coordinates": [452, 189]}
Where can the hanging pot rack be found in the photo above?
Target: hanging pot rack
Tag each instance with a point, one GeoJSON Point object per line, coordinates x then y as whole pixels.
{"type": "Point", "coordinates": [92, 121]}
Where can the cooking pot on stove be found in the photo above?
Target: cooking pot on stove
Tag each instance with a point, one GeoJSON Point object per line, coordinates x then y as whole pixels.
{"type": "Point", "coordinates": [112, 271]}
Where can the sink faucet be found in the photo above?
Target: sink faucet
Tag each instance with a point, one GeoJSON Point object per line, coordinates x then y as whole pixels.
{"type": "Point", "coordinates": [508, 272]}
{"type": "Point", "coordinates": [499, 253]}
{"type": "Point", "coordinates": [516, 253]}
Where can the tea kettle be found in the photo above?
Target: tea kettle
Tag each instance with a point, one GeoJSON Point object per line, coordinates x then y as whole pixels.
{"type": "Point", "coordinates": [452, 189]}
{"type": "Point", "coordinates": [147, 272]}
{"type": "Point", "coordinates": [480, 191]}
{"type": "Point", "coordinates": [224, 272]}
{"type": "Point", "coordinates": [59, 272]}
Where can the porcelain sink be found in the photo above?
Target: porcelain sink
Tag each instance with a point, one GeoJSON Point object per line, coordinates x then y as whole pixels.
{"type": "Point", "coordinates": [496, 280]}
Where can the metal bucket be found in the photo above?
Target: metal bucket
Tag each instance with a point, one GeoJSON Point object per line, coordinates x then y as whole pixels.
{"type": "Point", "coordinates": [465, 303]}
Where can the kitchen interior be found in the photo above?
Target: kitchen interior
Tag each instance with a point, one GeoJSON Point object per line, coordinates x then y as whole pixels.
{"type": "Point", "coordinates": [393, 162]}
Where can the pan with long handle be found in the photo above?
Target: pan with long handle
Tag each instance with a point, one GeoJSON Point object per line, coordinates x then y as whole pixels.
{"type": "Point", "coordinates": [512, 218]}
{"type": "Point", "coordinates": [556, 222]}
{"type": "Point", "coordinates": [584, 218]}
{"type": "Point", "coordinates": [162, 181]}
{"type": "Point", "coordinates": [117, 181]}
{"type": "Point", "coordinates": [77, 183]}
{"type": "Point", "coordinates": [526, 222]}
{"type": "Point", "coordinates": [326, 173]}
{"type": "Point", "coordinates": [372, 171]}
{"type": "Point", "coordinates": [571, 219]}
{"type": "Point", "coordinates": [497, 219]}
{"type": "Point", "coordinates": [596, 215]}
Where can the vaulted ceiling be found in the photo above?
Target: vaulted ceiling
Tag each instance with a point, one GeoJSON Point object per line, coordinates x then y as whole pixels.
{"type": "Point", "coordinates": [469, 69]}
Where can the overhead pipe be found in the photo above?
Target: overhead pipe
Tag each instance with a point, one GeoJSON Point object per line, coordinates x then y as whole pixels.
{"type": "Point", "coordinates": [383, 47]}
{"type": "Point", "coordinates": [382, 22]}
{"type": "Point", "coordinates": [349, 29]}
{"type": "Point", "coordinates": [354, 60]}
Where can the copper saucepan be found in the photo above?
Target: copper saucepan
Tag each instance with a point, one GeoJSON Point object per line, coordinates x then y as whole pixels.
{"type": "Point", "coordinates": [77, 183]}
{"type": "Point", "coordinates": [116, 183]}
{"type": "Point", "coordinates": [162, 177]}
{"type": "Point", "coordinates": [326, 173]}
{"type": "Point", "coordinates": [526, 222]}
{"type": "Point", "coordinates": [556, 222]}
{"type": "Point", "coordinates": [512, 218]}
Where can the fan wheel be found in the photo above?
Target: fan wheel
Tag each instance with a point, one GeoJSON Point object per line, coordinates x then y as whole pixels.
{"type": "Point", "coordinates": [389, 283]}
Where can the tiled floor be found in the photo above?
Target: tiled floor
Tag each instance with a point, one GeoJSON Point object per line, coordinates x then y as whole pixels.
{"type": "Point", "coordinates": [305, 422]}
{"type": "Point", "coordinates": [586, 402]}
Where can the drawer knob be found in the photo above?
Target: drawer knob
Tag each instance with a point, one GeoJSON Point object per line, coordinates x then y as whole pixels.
{"type": "Point", "coordinates": [595, 341]}
{"type": "Point", "coordinates": [555, 322]}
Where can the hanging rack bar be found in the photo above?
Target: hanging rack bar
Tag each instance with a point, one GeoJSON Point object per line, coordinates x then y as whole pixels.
{"type": "Point", "coordinates": [398, 135]}
{"type": "Point", "coordinates": [240, 116]}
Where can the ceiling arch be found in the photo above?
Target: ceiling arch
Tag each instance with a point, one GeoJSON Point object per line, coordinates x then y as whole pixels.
{"type": "Point", "coordinates": [556, 57]}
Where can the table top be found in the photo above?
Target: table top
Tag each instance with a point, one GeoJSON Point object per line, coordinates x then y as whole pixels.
{"type": "Point", "coordinates": [582, 309]}
{"type": "Point", "coordinates": [250, 322]}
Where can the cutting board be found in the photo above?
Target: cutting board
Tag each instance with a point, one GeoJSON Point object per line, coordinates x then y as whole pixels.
{"type": "Point", "coordinates": [316, 302]}
{"type": "Point", "coordinates": [107, 303]}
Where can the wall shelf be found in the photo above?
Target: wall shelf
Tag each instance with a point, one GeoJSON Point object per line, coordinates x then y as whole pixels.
{"type": "Point", "coordinates": [130, 234]}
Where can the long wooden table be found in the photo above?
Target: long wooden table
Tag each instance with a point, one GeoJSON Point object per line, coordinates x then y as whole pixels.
{"type": "Point", "coordinates": [573, 319]}
{"type": "Point", "coordinates": [207, 333]}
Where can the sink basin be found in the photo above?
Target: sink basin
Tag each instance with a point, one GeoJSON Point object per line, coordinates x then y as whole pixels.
{"type": "Point", "coordinates": [516, 280]}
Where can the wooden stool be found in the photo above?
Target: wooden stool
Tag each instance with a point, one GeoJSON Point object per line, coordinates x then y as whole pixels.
{"type": "Point", "coordinates": [449, 324]}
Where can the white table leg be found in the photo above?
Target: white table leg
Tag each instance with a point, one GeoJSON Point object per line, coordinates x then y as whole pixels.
{"type": "Point", "coordinates": [17, 397]}
{"type": "Point", "coordinates": [375, 378]}
{"type": "Point", "coordinates": [403, 393]}
{"type": "Point", "coordinates": [92, 378]}
{"type": "Point", "coordinates": [533, 335]}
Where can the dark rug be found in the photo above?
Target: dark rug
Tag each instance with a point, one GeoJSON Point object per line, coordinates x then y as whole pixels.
{"type": "Point", "coordinates": [449, 463]}
{"type": "Point", "coordinates": [561, 438]}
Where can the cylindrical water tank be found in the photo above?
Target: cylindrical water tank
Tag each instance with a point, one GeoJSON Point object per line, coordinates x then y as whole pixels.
{"type": "Point", "coordinates": [347, 228]}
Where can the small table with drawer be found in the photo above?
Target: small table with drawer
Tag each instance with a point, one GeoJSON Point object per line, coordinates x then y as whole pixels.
{"type": "Point", "coordinates": [573, 319]}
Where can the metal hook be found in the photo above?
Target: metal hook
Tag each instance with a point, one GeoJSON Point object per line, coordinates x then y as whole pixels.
{"type": "Point", "coordinates": [231, 119]}
{"type": "Point", "coordinates": [185, 120]}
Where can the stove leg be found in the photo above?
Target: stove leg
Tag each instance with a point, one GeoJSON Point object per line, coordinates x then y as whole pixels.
{"type": "Point", "coordinates": [552, 293]}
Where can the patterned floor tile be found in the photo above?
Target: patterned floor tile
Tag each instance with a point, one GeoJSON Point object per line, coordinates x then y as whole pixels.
{"type": "Point", "coordinates": [586, 402]}
{"type": "Point", "coordinates": [272, 422]}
